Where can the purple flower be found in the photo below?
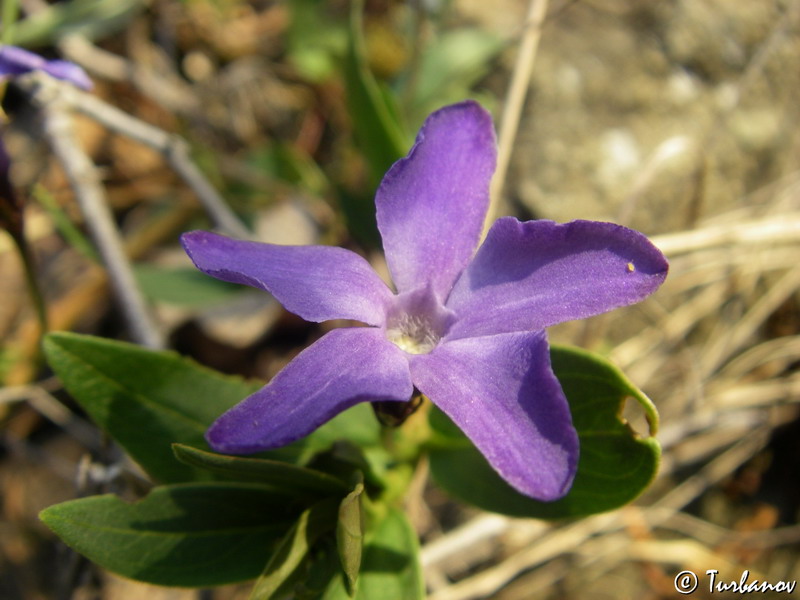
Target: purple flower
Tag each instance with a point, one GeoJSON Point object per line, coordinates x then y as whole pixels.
{"type": "Point", "coordinates": [467, 331]}
{"type": "Point", "coordinates": [18, 61]}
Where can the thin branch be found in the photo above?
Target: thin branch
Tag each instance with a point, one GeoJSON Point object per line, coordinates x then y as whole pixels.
{"type": "Point", "coordinates": [172, 147]}
{"type": "Point", "coordinates": [39, 397]}
{"type": "Point", "coordinates": [85, 182]}
{"type": "Point", "coordinates": [177, 154]}
{"type": "Point", "coordinates": [166, 89]}
{"type": "Point", "coordinates": [169, 91]}
{"type": "Point", "coordinates": [771, 230]}
{"type": "Point", "coordinates": [515, 99]}
{"type": "Point", "coordinates": [732, 338]}
{"type": "Point", "coordinates": [453, 543]}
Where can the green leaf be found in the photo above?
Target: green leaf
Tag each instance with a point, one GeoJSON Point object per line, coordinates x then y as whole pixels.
{"type": "Point", "coordinates": [453, 63]}
{"type": "Point", "coordinates": [615, 464]}
{"type": "Point", "coordinates": [350, 536]}
{"type": "Point", "coordinates": [192, 535]}
{"type": "Point", "coordinates": [378, 130]}
{"type": "Point", "coordinates": [358, 425]}
{"type": "Point", "coordinates": [145, 400]}
{"type": "Point", "coordinates": [287, 162]}
{"type": "Point", "coordinates": [315, 38]}
{"type": "Point", "coordinates": [323, 567]}
{"type": "Point", "coordinates": [375, 118]}
{"type": "Point", "coordinates": [351, 462]}
{"type": "Point", "coordinates": [293, 479]}
{"type": "Point", "coordinates": [91, 18]}
{"type": "Point", "coordinates": [390, 569]}
{"type": "Point", "coordinates": [183, 286]}
{"type": "Point", "coordinates": [283, 568]}
{"type": "Point", "coordinates": [8, 17]}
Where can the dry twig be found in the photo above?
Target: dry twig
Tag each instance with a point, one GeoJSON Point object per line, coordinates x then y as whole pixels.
{"type": "Point", "coordinates": [45, 94]}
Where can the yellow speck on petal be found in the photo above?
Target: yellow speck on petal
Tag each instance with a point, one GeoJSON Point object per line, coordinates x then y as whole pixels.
{"type": "Point", "coordinates": [630, 267]}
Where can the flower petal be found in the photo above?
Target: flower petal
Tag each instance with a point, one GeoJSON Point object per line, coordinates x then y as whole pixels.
{"type": "Point", "coordinates": [431, 204]}
{"type": "Point", "coordinates": [343, 368]}
{"type": "Point", "coordinates": [527, 276]}
{"type": "Point", "coordinates": [315, 282]}
{"type": "Point", "coordinates": [69, 71]}
{"type": "Point", "coordinates": [501, 391]}
{"type": "Point", "coordinates": [16, 61]}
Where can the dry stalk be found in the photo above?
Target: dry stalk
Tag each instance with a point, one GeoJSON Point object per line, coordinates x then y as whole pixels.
{"type": "Point", "coordinates": [89, 192]}
{"type": "Point", "coordinates": [515, 99]}
{"type": "Point", "coordinates": [770, 230]}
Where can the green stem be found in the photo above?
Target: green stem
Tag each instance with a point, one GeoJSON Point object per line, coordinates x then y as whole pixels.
{"type": "Point", "coordinates": [65, 227]}
{"type": "Point", "coordinates": [417, 43]}
{"type": "Point", "coordinates": [34, 288]}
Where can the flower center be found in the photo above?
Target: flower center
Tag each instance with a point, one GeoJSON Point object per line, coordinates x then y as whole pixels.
{"type": "Point", "coordinates": [413, 333]}
{"type": "Point", "coordinates": [417, 321]}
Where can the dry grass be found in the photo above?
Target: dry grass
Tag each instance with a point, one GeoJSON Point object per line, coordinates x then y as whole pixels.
{"type": "Point", "coordinates": [718, 351]}
{"type": "Point", "coordinates": [717, 348]}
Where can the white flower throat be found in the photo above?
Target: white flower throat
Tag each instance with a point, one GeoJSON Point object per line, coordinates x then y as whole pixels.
{"type": "Point", "coordinates": [413, 333]}
{"type": "Point", "coordinates": [417, 321]}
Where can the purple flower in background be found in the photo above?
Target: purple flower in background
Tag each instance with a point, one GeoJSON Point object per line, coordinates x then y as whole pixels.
{"type": "Point", "coordinates": [466, 328]}
{"type": "Point", "coordinates": [18, 61]}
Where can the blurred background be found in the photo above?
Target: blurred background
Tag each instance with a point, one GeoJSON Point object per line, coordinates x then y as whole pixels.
{"type": "Point", "coordinates": [676, 117]}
